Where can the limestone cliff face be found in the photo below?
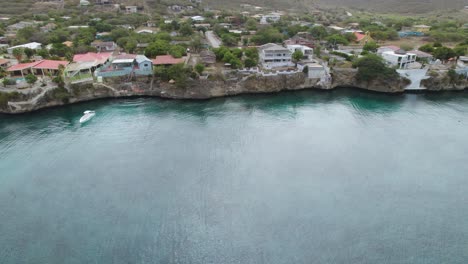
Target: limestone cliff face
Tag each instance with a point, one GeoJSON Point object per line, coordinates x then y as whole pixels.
{"type": "Point", "coordinates": [204, 89]}
{"type": "Point", "coordinates": [346, 77]}
{"type": "Point", "coordinates": [441, 81]}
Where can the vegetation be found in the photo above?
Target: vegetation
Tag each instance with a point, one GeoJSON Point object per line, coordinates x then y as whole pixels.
{"type": "Point", "coordinates": [199, 68]}
{"type": "Point", "coordinates": [371, 67]}
{"type": "Point", "coordinates": [30, 78]}
{"type": "Point", "coordinates": [6, 97]}
{"type": "Point", "coordinates": [297, 56]}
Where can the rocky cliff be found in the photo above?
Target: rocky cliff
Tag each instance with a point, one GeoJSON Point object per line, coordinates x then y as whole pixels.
{"type": "Point", "coordinates": [444, 81]}
{"type": "Point", "coordinates": [15, 102]}
{"type": "Point", "coordinates": [346, 77]}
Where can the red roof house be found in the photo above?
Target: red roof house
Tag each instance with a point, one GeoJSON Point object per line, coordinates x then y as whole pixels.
{"type": "Point", "coordinates": [167, 60]}
{"type": "Point", "coordinates": [38, 67]}
{"type": "Point", "coordinates": [99, 58]}
{"type": "Point", "coordinates": [363, 38]}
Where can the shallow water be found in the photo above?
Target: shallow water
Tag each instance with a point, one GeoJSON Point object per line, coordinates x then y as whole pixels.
{"type": "Point", "coordinates": [301, 177]}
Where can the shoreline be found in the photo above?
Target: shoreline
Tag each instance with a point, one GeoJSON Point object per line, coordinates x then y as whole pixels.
{"type": "Point", "coordinates": [195, 99]}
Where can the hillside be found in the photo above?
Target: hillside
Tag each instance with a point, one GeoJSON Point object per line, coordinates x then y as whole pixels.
{"type": "Point", "coordinates": [404, 6]}
{"type": "Point", "coordinates": [18, 7]}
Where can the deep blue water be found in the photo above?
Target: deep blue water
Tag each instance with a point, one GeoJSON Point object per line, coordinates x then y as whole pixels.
{"type": "Point", "coordinates": [302, 177]}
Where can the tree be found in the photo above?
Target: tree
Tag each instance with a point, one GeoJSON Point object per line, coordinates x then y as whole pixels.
{"type": "Point", "coordinates": [18, 53]}
{"type": "Point", "coordinates": [228, 57]}
{"type": "Point", "coordinates": [444, 53]}
{"type": "Point", "coordinates": [177, 51]}
{"type": "Point", "coordinates": [372, 66]}
{"type": "Point", "coordinates": [28, 52]}
{"type": "Point", "coordinates": [350, 37]}
{"type": "Point", "coordinates": [319, 32]}
{"type": "Point", "coordinates": [186, 29]}
{"type": "Point", "coordinates": [31, 78]}
{"type": "Point", "coordinates": [130, 45]}
{"type": "Point", "coordinates": [249, 63]}
{"type": "Point", "coordinates": [427, 48]}
{"type": "Point", "coordinates": [461, 50]}
{"type": "Point", "coordinates": [199, 68]}
{"type": "Point", "coordinates": [228, 40]}
{"type": "Point", "coordinates": [267, 35]}
{"type": "Point", "coordinates": [371, 46]}
{"type": "Point", "coordinates": [337, 39]}
{"type": "Point", "coordinates": [196, 44]}
{"type": "Point", "coordinates": [159, 47]}
{"type": "Point", "coordinates": [297, 56]}
{"type": "Point", "coordinates": [251, 24]}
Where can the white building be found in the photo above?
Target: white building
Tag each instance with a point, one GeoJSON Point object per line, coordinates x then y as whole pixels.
{"type": "Point", "coordinates": [399, 58]}
{"type": "Point", "coordinates": [197, 18]}
{"type": "Point", "coordinates": [270, 18]}
{"type": "Point", "coordinates": [275, 56]}
{"type": "Point", "coordinates": [32, 45]}
{"type": "Point", "coordinates": [308, 52]}
{"type": "Point", "coordinates": [131, 9]}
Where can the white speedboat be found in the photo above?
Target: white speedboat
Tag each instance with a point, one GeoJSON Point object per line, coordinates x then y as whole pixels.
{"type": "Point", "coordinates": [87, 116]}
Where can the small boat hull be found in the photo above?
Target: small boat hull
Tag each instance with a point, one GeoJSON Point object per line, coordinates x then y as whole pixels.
{"type": "Point", "coordinates": [87, 116]}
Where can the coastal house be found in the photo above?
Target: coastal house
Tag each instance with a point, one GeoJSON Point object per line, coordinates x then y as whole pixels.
{"type": "Point", "coordinates": [275, 56]}
{"type": "Point", "coordinates": [104, 46]}
{"type": "Point", "coordinates": [399, 58]}
{"type": "Point", "coordinates": [85, 64]}
{"type": "Point", "coordinates": [208, 57]}
{"type": "Point", "coordinates": [363, 38]}
{"type": "Point", "coordinates": [314, 69]}
{"type": "Point", "coordinates": [167, 60]}
{"type": "Point", "coordinates": [126, 65]}
{"type": "Point", "coordinates": [32, 45]}
{"type": "Point", "coordinates": [308, 52]}
{"type": "Point", "coordinates": [42, 67]}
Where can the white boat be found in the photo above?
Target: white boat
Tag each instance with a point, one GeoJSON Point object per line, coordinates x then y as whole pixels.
{"type": "Point", "coordinates": [87, 116]}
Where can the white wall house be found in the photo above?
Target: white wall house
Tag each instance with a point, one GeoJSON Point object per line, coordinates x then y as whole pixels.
{"type": "Point", "coordinates": [399, 58]}
{"type": "Point", "coordinates": [308, 52]}
{"type": "Point", "coordinates": [275, 56]}
{"type": "Point", "coordinates": [32, 45]}
{"type": "Point", "coordinates": [131, 9]}
{"type": "Point", "coordinates": [270, 18]}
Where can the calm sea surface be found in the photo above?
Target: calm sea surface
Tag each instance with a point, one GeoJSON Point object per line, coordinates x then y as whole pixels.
{"type": "Point", "coordinates": [302, 177]}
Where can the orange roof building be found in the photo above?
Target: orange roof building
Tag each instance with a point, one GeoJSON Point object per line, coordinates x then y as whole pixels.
{"type": "Point", "coordinates": [41, 67]}
{"type": "Point", "coordinates": [363, 38]}
{"type": "Point", "coordinates": [167, 60]}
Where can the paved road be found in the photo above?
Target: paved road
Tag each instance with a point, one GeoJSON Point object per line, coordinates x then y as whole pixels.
{"type": "Point", "coordinates": [214, 41]}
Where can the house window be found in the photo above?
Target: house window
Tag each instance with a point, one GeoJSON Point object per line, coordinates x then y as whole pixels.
{"type": "Point", "coordinates": [146, 64]}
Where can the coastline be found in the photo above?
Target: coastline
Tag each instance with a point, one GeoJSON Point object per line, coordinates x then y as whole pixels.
{"type": "Point", "coordinates": [208, 89]}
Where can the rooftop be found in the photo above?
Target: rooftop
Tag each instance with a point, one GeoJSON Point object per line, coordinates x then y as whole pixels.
{"type": "Point", "coordinates": [167, 60]}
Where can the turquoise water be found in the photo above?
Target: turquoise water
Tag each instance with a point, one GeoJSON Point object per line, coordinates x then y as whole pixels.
{"type": "Point", "coordinates": [303, 177]}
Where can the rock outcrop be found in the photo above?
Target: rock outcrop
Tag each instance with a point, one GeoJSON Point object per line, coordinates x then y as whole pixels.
{"type": "Point", "coordinates": [203, 89]}
{"type": "Point", "coordinates": [346, 77]}
{"type": "Point", "coordinates": [442, 81]}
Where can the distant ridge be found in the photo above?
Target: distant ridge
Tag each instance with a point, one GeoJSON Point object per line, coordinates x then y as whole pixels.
{"type": "Point", "coordinates": [403, 6]}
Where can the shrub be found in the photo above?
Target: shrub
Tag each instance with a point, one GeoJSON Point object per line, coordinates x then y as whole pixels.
{"type": "Point", "coordinates": [199, 68]}
{"type": "Point", "coordinates": [371, 67]}
{"type": "Point", "coordinates": [31, 78]}
{"type": "Point", "coordinates": [7, 81]}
